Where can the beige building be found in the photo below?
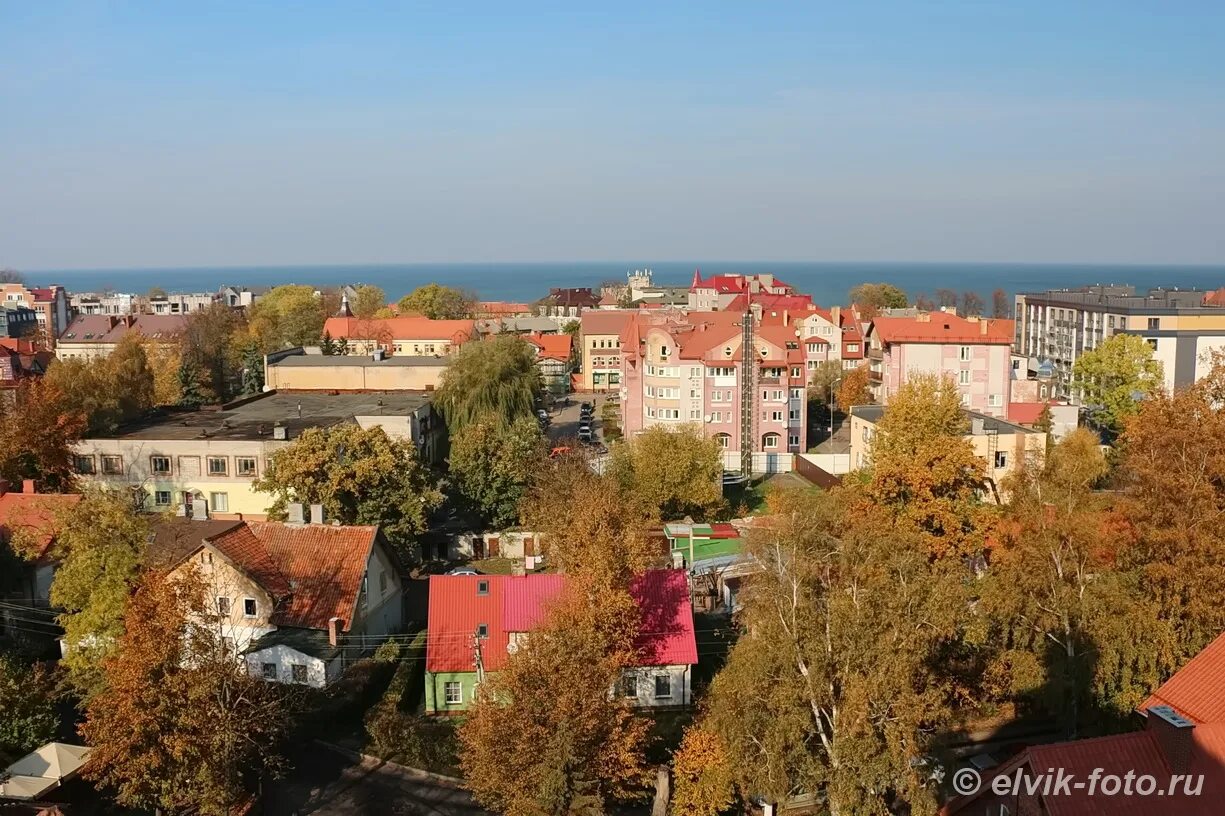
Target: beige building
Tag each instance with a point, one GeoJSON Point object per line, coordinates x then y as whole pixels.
{"type": "Point", "coordinates": [89, 337]}
{"type": "Point", "coordinates": [600, 336]}
{"type": "Point", "coordinates": [300, 369]}
{"type": "Point", "coordinates": [205, 462]}
{"type": "Point", "coordinates": [1001, 445]}
{"type": "Point", "coordinates": [413, 336]}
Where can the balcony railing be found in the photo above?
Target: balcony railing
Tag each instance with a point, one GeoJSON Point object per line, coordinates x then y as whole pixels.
{"type": "Point", "coordinates": [876, 354]}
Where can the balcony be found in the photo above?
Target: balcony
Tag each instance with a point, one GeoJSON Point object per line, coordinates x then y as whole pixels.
{"type": "Point", "coordinates": [876, 354]}
{"type": "Point", "coordinates": [769, 381]}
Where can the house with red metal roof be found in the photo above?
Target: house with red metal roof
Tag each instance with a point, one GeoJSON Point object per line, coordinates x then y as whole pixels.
{"type": "Point", "coordinates": [297, 600]}
{"type": "Point", "coordinates": [477, 621]}
{"type": "Point", "coordinates": [33, 515]}
{"type": "Point", "coordinates": [718, 292]}
{"type": "Point", "coordinates": [1181, 750]}
{"type": "Point", "coordinates": [553, 359]}
{"type": "Point", "coordinates": [976, 353]}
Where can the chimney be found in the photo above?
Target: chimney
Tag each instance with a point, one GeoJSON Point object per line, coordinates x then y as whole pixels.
{"type": "Point", "coordinates": [835, 315]}
{"type": "Point", "coordinates": [923, 317]}
{"type": "Point", "coordinates": [278, 432]}
{"type": "Point", "coordinates": [786, 317]}
{"type": "Point", "coordinates": [1174, 734]}
{"type": "Point", "coordinates": [982, 327]}
{"type": "Point", "coordinates": [316, 514]}
{"type": "Point", "coordinates": [294, 513]}
{"type": "Point", "coordinates": [27, 487]}
{"type": "Point", "coordinates": [976, 426]}
{"type": "Point", "coordinates": [334, 625]}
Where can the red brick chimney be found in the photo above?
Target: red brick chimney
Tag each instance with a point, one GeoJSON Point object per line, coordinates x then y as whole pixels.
{"type": "Point", "coordinates": [334, 625]}
{"type": "Point", "coordinates": [27, 487]}
{"type": "Point", "coordinates": [1174, 734]}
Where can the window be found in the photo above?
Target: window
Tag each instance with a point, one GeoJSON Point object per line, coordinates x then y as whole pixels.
{"type": "Point", "coordinates": [963, 377]}
{"type": "Point", "coordinates": [695, 414]}
{"type": "Point", "coordinates": [797, 393]}
{"type": "Point", "coordinates": [298, 672]}
{"type": "Point", "coordinates": [452, 692]}
{"type": "Point", "coordinates": [1152, 343]}
{"type": "Point", "coordinates": [112, 465]}
{"type": "Point", "coordinates": [796, 371]}
{"type": "Point", "coordinates": [482, 630]}
{"type": "Point", "coordinates": [85, 465]}
{"type": "Point", "coordinates": [812, 348]}
{"type": "Point", "coordinates": [724, 440]}
{"type": "Point", "coordinates": [482, 587]}
{"type": "Point", "coordinates": [776, 416]}
{"type": "Point", "coordinates": [793, 415]}
{"type": "Point", "coordinates": [964, 353]}
{"type": "Point", "coordinates": [245, 465]}
{"type": "Point", "coordinates": [1154, 323]}
{"type": "Point", "coordinates": [663, 686]}
{"type": "Point", "coordinates": [852, 347]}
{"type": "Point", "coordinates": [218, 466]}
{"type": "Point", "coordinates": [159, 464]}
{"type": "Point", "coordinates": [220, 502]}
{"type": "Point", "coordinates": [695, 371]}
{"type": "Point", "coordinates": [268, 670]}
{"type": "Point", "coordinates": [1001, 459]}
{"type": "Point", "coordinates": [721, 371]}
{"type": "Point", "coordinates": [629, 686]}
{"type": "Point", "coordinates": [248, 607]}
{"type": "Point", "coordinates": [995, 400]}
{"type": "Point", "coordinates": [769, 441]}
{"type": "Point", "coordinates": [793, 440]}
{"type": "Point", "coordinates": [161, 498]}
{"type": "Point", "coordinates": [223, 606]}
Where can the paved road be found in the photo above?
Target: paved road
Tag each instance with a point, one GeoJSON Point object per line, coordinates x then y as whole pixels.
{"type": "Point", "coordinates": [326, 783]}
{"type": "Point", "coordinates": [565, 421]}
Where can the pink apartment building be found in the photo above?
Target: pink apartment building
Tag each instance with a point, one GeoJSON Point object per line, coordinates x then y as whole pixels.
{"type": "Point", "coordinates": [974, 352]}
{"type": "Point", "coordinates": [686, 368]}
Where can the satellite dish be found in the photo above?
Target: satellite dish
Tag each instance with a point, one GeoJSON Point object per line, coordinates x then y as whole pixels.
{"type": "Point", "coordinates": [512, 647]}
{"type": "Point", "coordinates": [708, 417]}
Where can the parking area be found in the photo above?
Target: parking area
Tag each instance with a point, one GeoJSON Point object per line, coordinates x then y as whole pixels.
{"type": "Point", "coordinates": [565, 419]}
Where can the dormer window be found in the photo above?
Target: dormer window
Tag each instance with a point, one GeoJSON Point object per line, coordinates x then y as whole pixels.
{"type": "Point", "coordinates": [482, 630]}
{"type": "Point", "coordinates": [482, 587]}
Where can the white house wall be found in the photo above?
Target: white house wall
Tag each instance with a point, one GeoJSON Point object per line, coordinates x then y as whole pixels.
{"type": "Point", "coordinates": [318, 672]}
{"type": "Point", "coordinates": [682, 685]}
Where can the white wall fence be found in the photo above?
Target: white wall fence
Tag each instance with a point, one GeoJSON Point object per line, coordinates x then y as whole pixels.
{"type": "Point", "coordinates": [833, 463]}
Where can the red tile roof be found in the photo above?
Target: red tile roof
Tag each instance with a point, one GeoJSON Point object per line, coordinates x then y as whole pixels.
{"type": "Point", "coordinates": [938, 327]}
{"type": "Point", "coordinates": [35, 512]}
{"type": "Point", "coordinates": [606, 321]}
{"type": "Point", "coordinates": [552, 346]}
{"type": "Point", "coordinates": [517, 603]}
{"type": "Point", "coordinates": [1197, 690]}
{"type": "Point", "coordinates": [502, 308]}
{"type": "Point", "coordinates": [403, 327]}
{"type": "Point", "coordinates": [111, 329]}
{"type": "Point", "coordinates": [798, 305]}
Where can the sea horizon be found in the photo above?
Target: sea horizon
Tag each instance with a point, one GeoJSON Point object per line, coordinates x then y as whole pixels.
{"type": "Point", "coordinates": [827, 281]}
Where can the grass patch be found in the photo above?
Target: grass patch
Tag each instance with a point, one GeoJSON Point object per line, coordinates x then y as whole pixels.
{"type": "Point", "coordinates": [494, 566]}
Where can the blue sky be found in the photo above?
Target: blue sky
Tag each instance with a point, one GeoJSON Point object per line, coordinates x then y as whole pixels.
{"type": "Point", "coordinates": [147, 134]}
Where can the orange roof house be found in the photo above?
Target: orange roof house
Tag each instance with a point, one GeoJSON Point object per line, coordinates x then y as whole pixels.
{"type": "Point", "coordinates": [33, 514]}
{"type": "Point", "coordinates": [401, 335]}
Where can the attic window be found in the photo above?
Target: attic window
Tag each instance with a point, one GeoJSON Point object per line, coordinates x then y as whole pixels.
{"type": "Point", "coordinates": [482, 630]}
{"type": "Point", "coordinates": [482, 587]}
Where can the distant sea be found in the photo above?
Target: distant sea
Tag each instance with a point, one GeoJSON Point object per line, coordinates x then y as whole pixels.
{"type": "Point", "coordinates": [827, 282]}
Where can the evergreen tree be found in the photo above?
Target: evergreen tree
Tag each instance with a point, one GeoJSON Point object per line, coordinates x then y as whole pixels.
{"type": "Point", "coordinates": [252, 371]}
{"type": "Point", "coordinates": [327, 345]}
{"type": "Point", "coordinates": [191, 396]}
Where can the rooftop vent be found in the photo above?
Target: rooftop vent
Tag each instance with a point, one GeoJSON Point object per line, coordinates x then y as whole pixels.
{"type": "Point", "coordinates": [279, 432]}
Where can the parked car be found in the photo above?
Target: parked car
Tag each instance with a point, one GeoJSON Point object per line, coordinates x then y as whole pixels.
{"type": "Point", "coordinates": [464, 571]}
{"type": "Point", "coordinates": [584, 434]}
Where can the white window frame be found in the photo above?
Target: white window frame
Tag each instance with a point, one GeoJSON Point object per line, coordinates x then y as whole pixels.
{"type": "Point", "coordinates": [770, 441]}
{"type": "Point", "coordinates": [159, 471]}
{"type": "Point", "coordinates": [457, 687]}
{"type": "Point", "coordinates": [965, 353]}
{"type": "Point", "coordinates": [254, 605]}
{"type": "Point", "coordinates": [963, 377]}
{"type": "Point", "coordinates": [657, 678]}
{"type": "Point", "coordinates": [219, 502]}
{"type": "Point", "coordinates": [224, 461]}
{"type": "Point", "coordinates": [242, 471]}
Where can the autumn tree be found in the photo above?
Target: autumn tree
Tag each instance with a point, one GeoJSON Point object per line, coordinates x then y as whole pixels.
{"type": "Point", "coordinates": [839, 595]}
{"type": "Point", "coordinates": [291, 315]}
{"type": "Point", "coordinates": [854, 389]}
{"type": "Point", "coordinates": [495, 377]}
{"type": "Point", "coordinates": [924, 304]}
{"type": "Point", "coordinates": [360, 476]}
{"type": "Point", "coordinates": [923, 470]}
{"type": "Point", "coordinates": [589, 526]}
{"type": "Point", "coordinates": [100, 545]}
{"type": "Point", "coordinates": [946, 298]}
{"type": "Point", "coordinates": [82, 388]}
{"type": "Point", "coordinates": [545, 735]}
{"type": "Point", "coordinates": [38, 428]}
{"type": "Point", "coordinates": [212, 342]}
{"type": "Point", "coordinates": [493, 465]}
{"type": "Point", "coordinates": [822, 381]}
{"type": "Point", "coordinates": [164, 360]}
{"type": "Point", "coordinates": [191, 389]}
{"type": "Point", "coordinates": [130, 378]}
{"type": "Point", "coordinates": [180, 725]}
{"type": "Point", "coordinates": [367, 300]}
{"type": "Point", "coordinates": [439, 302]}
{"type": "Point", "coordinates": [28, 716]}
{"type": "Point", "coordinates": [675, 473]}
{"type": "Point", "coordinates": [971, 304]}
{"type": "Point", "coordinates": [1001, 306]}
{"type": "Point", "coordinates": [876, 296]}
{"type": "Point", "coordinates": [704, 774]}
{"type": "Point", "coordinates": [1115, 377]}
{"type": "Point", "coordinates": [1052, 591]}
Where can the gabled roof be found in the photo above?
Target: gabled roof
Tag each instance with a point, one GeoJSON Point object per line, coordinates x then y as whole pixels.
{"type": "Point", "coordinates": [1197, 690]}
{"type": "Point", "coordinates": [502, 308]}
{"type": "Point", "coordinates": [940, 327]}
{"type": "Point", "coordinates": [35, 512]}
{"type": "Point", "coordinates": [112, 328]}
{"type": "Point", "coordinates": [605, 321]}
{"type": "Point", "coordinates": [551, 346]}
{"type": "Point", "coordinates": [399, 328]}
{"type": "Point", "coordinates": [517, 603]}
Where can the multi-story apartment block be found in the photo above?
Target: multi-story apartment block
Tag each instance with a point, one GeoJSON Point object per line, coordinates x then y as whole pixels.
{"type": "Point", "coordinates": [832, 334]}
{"type": "Point", "coordinates": [50, 305]}
{"type": "Point", "coordinates": [564, 305]}
{"type": "Point", "coordinates": [176, 303]}
{"type": "Point", "coordinates": [717, 292]}
{"type": "Point", "coordinates": [974, 352]}
{"type": "Point", "coordinates": [110, 303]}
{"type": "Point", "coordinates": [207, 461]}
{"type": "Point", "coordinates": [17, 321]}
{"type": "Point", "coordinates": [600, 336]}
{"type": "Point", "coordinates": [678, 369]}
{"type": "Point", "coordinates": [1182, 325]}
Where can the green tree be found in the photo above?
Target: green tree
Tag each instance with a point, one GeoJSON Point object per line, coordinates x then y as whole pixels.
{"type": "Point", "coordinates": [252, 371]}
{"type": "Point", "coordinates": [291, 315]}
{"type": "Point", "coordinates": [876, 296]}
{"type": "Point", "coordinates": [497, 377]}
{"type": "Point", "coordinates": [368, 300]}
{"type": "Point", "coordinates": [924, 471]}
{"type": "Point", "coordinates": [493, 464]}
{"type": "Point", "coordinates": [823, 381]}
{"type": "Point", "coordinates": [677, 473]}
{"type": "Point", "coordinates": [191, 395]}
{"type": "Point", "coordinates": [439, 302]}
{"type": "Point", "coordinates": [1115, 377]}
{"type": "Point", "coordinates": [100, 545]}
{"type": "Point", "coordinates": [575, 329]}
{"type": "Point", "coordinates": [131, 378]}
{"type": "Point", "coordinates": [360, 476]}
{"type": "Point", "coordinates": [28, 718]}
{"type": "Point", "coordinates": [180, 725]}
{"type": "Point", "coordinates": [327, 345]}
{"type": "Point", "coordinates": [839, 595]}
